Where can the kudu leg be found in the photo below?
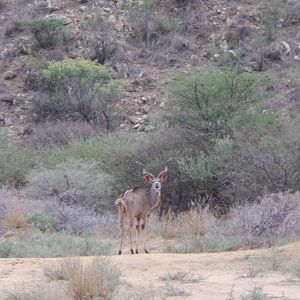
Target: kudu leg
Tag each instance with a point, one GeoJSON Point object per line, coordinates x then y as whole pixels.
{"type": "Point", "coordinates": [143, 226]}
{"type": "Point", "coordinates": [137, 235]}
{"type": "Point", "coordinates": [121, 234]}
{"type": "Point", "coordinates": [130, 235]}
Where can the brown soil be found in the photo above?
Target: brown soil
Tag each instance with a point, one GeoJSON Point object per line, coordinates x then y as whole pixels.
{"type": "Point", "coordinates": [210, 275]}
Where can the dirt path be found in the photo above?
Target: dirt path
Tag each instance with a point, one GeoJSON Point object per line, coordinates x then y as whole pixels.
{"type": "Point", "coordinates": [208, 276]}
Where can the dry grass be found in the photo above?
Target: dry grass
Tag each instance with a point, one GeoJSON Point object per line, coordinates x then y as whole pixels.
{"type": "Point", "coordinates": [171, 226]}
{"type": "Point", "coordinates": [195, 222]}
{"type": "Point", "coordinates": [97, 279]}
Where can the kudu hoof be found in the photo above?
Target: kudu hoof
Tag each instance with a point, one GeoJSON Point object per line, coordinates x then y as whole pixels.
{"type": "Point", "coordinates": [136, 251]}
{"type": "Point", "coordinates": [146, 251]}
{"type": "Point", "coordinates": [131, 250]}
{"type": "Point", "coordinates": [120, 252]}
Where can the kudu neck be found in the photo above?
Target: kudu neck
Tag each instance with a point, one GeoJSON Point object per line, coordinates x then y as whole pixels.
{"type": "Point", "coordinates": [153, 198]}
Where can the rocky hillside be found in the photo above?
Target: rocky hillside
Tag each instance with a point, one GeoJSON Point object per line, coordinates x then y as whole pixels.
{"type": "Point", "coordinates": [178, 35]}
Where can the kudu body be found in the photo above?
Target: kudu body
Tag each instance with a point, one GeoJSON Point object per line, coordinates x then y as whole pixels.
{"type": "Point", "coordinates": [136, 204]}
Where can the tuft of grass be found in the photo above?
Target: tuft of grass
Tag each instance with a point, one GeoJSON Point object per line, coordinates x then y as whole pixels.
{"type": "Point", "coordinates": [172, 290]}
{"type": "Point", "coordinates": [256, 294]}
{"type": "Point", "coordinates": [97, 280]}
{"type": "Point", "coordinates": [53, 245]}
{"type": "Point", "coordinates": [180, 276]}
{"type": "Point", "coordinates": [54, 272]}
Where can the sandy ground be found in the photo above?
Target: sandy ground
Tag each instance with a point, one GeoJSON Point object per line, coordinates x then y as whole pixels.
{"type": "Point", "coordinates": [208, 276]}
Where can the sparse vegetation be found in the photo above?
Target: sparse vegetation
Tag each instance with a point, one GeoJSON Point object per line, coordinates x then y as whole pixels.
{"type": "Point", "coordinates": [60, 133]}
{"type": "Point", "coordinates": [100, 36]}
{"type": "Point", "coordinates": [172, 290]}
{"type": "Point", "coordinates": [72, 182]}
{"type": "Point", "coordinates": [14, 163]}
{"type": "Point", "coordinates": [46, 31]}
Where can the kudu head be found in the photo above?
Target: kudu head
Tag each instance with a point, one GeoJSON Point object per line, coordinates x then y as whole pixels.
{"type": "Point", "coordinates": [155, 181]}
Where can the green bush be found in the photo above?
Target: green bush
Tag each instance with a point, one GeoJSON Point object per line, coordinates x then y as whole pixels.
{"type": "Point", "coordinates": [46, 31]}
{"type": "Point", "coordinates": [53, 245]}
{"type": "Point", "coordinates": [200, 244]}
{"type": "Point", "coordinates": [42, 222]}
{"type": "Point", "coordinates": [209, 100]}
{"type": "Point", "coordinates": [14, 163]}
{"type": "Point", "coordinates": [79, 89]}
{"type": "Point", "coordinates": [74, 182]}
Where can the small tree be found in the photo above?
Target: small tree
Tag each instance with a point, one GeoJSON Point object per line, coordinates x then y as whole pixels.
{"type": "Point", "coordinates": [271, 16]}
{"type": "Point", "coordinates": [47, 32]}
{"type": "Point", "coordinates": [99, 32]}
{"type": "Point", "coordinates": [209, 100]}
{"type": "Point", "coordinates": [80, 88]}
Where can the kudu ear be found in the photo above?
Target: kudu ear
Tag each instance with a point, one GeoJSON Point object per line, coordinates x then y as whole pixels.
{"type": "Point", "coordinates": [148, 176]}
{"type": "Point", "coordinates": [163, 175]}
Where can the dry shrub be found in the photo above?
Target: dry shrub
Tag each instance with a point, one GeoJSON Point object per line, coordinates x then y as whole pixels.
{"type": "Point", "coordinates": [196, 222]}
{"type": "Point", "coordinates": [14, 217]}
{"type": "Point", "coordinates": [276, 216]}
{"type": "Point", "coordinates": [70, 218]}
{"type": "Point", "coordinates": [72, 182]}
{"type": "Point", "coordinates": [59, 133]}
{"type": "Point", "coordinates": [97, 279]}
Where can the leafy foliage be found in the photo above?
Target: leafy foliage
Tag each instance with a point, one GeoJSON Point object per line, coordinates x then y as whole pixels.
{"type": "Point", "coordinates": [208, 100]}
{"type": "Point", "coordinates": [78, 88]}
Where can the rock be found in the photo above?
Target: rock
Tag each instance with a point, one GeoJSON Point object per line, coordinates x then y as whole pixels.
{"type": "Point", "coordinates": [83, 8]}
{"type": "Point", "coordinates": [286, 46]}
{"type": "Point", "coordinates": [8, 99]}
{"type": "Point", "coordinates": [27, 131]}
{"type": "Point", "coordinates": [145, 118]}
{"type": "Point", "coordinates": [111, 19]}
{"type": "Point", "coordinates": [7, 121]}
{"type": "Point", "coordinates": [162, 104]}
{"type": "Point", "coordinates": [146, 108]}
{"type": "Point", "coordinates": [107, 9]}
{"type": "Point", "coordinates": [275, 51]}
{"type": "Point", "coordinates": [256, 66]}
{"type": "Point", "coordinates": [122, 125]}
{"type": "Point", "coordinates": [136, 126]}
{"type": "Point", "coordinates": [149, 128]}
{"type": "Point", "coordinates": [8, 234]}
{"type": "Point", "coordinates": [119, 26]}
{"type": "Point", "coordinates": [9, 75]}
{"type": "Point", "coordinates": [133, 119]}
{"type": "Point", "coordinates": [141, 128]}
